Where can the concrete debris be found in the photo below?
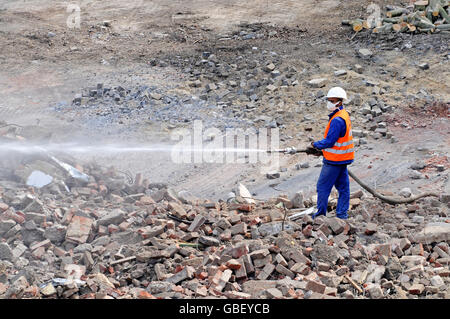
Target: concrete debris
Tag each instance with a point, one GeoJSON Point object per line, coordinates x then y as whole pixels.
{"type": "Point", "coordinates": [110, 239]}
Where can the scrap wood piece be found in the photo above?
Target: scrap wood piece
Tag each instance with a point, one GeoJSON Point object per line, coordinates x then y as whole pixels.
{"type": "Point", "coordinates": [396, 12]}
{"type": "Point", "coordinates": [444, 14]}
{"type": "Point", "coordinates": [390, 200]}
{"type": "Point", "coordinates": [123, 260]}
{"type": "Point", "coordinates": [193, 245]}
{"type": "Point", "coordinates": [354, 284]}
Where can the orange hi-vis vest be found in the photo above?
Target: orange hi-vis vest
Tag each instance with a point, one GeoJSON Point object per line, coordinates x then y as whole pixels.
{"type": "Point", "coordinates": [343, 149]}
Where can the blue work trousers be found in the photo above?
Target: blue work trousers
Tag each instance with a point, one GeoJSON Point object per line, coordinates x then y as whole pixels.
{"type": "Point", "coordinates": [333, 175]}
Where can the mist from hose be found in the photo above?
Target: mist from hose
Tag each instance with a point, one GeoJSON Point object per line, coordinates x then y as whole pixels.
{"type": "Point", "coordinates": [31, 148]}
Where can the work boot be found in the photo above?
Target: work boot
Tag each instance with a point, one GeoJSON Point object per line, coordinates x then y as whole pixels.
{"type": "Point", "coordinates": [318, 214]}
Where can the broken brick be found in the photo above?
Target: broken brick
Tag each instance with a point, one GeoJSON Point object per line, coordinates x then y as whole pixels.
{"type": "Point", "coordinates": [266, 272]}
{"type": "Point", "coordinates": [79, 229]}
{"type": "Point", "coordinates": [315, 286]}
{"type": "Point", "coordinates": [370, 229]}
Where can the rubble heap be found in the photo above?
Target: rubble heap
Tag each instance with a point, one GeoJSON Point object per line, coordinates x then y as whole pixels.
{"type": "Point", "coordinates": [89, 232]}
{"type": "Point", "coordinates": [423, 16]}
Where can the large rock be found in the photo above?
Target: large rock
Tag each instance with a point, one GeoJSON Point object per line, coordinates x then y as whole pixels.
{"type": "Point", "coordinates": [209, 241]}
{"type": "Point", "coordinates": [376, 272]}
{"type": "Point", "coordinates": [365, 53]}
{"type": "Point", "coordinates": [56, 234]}
{"type": "Point", "coordinates": [31, 235]}
{"type": "Point", "coordinates": [254, 287]}
{"type": "Point", "coordinates": [6, 225]}
{"type": "Point", "coordinates": [5, 252]}
{"type": "Point", "coordinates": [157, 287]}
{"type": "Point", "coordinates": [114, 217]}
{"type": "Point", "coordinates": [318, 83]}
{"type": "Point", "coordinates": [177, 210]}
{"type": "Point", "coordinates": [324, 253]}
{"type": "Point", "coordinates": [79, 229]}
{"type": "Point", "coordinates": [186, 273]}
{"type": "Point", "coordinates": [274, 228]}
{"type": "Point", "coordinates": [433, 232]}
{"type": "Point", "coordinates": [297, 200]}
{"type": "Point", "coordinates": [37, 206]}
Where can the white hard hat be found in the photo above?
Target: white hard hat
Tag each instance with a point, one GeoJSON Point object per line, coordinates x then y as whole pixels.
{"type": "Point", "coordinates": [337, 92]}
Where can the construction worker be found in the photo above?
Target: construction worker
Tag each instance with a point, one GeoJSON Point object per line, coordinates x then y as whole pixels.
{"type": "Point", "coordinates": [338, 152]}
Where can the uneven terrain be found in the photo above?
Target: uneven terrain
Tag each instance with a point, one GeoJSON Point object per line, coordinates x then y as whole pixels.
{"type": "Point", "coordinates": [134, 72]}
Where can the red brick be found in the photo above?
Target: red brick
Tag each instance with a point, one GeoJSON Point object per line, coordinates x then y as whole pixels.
{"type": "Point", "coordinates": [233, 264]}
{"type": "Point", "coordinates": [103, 190]}
{"type": "Point", "coordinates": [102, 230]}
{"type": "Point", "coordinates": [145, 295]}
{"type": "Point", "coordinates": [246, 207]}
{"type": "Point", "coordinates": [307, 231]}
{"type": "Point", "coordinates": [325, 229]}
{"type": "Point", "coordinates": [384, 250]}
{"type": "Point", "coordinates": [39, 252]}
{"type": "Point", "coordinates": [224, 278]}
{"type": "Point", "coordinates": [370, 229]}
{"type": "Point", "coordinates": [254, 221]}
{"type": "Point", "coordinates": [202, 291]}
{"type": "Point", "coordinates": [416, 289]}
{"type": "Point", "coordinates": [315, 286]}
{"type": "Point", "coordinates": [3, 207]}
{"type": "Point", "coordinates": [18, 217]}
{"type": "Point", "coordinates": [203, 275]}
{"type": "Point", "coordinates": [124, 226]}
{"type": "Point", "coordinates": [113, 229]}
{"type": "Point", "coordinates": [59, 252]}
{"type": "Point", "coordinates": [146, 200]}
{"type": "Point", "coordinates": [45, 243]}
{"type": "Point", "coordinates": [178, 289]}
{"type": "Point", "coordinates": [300, 269]}
{"type": "Point", "coordinates": [79, 229]}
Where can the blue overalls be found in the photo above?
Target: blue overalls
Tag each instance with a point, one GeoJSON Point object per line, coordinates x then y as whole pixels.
{"type": "Point", "coordinates": [333, 173]}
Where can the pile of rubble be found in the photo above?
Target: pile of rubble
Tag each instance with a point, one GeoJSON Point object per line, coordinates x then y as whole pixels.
{"type": "Point", "coordinates": [90, 233]}
{"type": "Point", "coordinates": [215, 89]}
{"type": "Point", "coordinates": [423, 16]}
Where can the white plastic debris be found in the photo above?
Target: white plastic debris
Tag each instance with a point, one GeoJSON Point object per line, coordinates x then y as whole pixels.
{"type": "Point", "coordinates": [72, 170]}
{"type": "Point", "coordinates": [303, 213]}
{"type": "Point", "coordinates": [39, 179]}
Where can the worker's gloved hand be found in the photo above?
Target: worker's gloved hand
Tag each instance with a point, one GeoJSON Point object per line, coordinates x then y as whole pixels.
{"type": "Point", "coordinates": [290, 150]}
{"type": "Point", "coordinates": [311, 150]}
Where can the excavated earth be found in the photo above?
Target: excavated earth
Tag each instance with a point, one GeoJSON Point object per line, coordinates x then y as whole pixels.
{"type": "Point", "coordinates": [138, 225]}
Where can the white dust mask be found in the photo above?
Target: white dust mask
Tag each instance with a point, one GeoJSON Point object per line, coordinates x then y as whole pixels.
{"type": "Point", "coordinates": [331, 106]}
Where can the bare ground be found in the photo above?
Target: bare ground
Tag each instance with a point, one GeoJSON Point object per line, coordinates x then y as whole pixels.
{"type": "Point", "coordinates": [38, 70]}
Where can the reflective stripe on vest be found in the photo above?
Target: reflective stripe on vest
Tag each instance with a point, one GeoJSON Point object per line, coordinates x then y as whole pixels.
{"type": "Point", "coordinates": [343, 149]}
{"type": "Point", "coordinates": [350, 150]}
{"type": "Point", "coordinates": [343, 144]}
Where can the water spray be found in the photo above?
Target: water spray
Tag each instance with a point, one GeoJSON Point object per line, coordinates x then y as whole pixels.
{"type": "Point", "coordinates": [30, 148]}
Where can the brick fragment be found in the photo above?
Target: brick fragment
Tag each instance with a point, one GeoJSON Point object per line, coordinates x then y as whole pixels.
{"type": "Point", "coordinates": [416, 289]}
{"type": "Point", "coordinates": [315, 286]}
{"type": "Point", "coordinates": [266, 272]}
{"type": "Point", "coordinates": [370, 229]}
{"type": "Point", "coordinates": [285, 271]}
{"type": "Point", "coordinates": [79, 229]}
{"type": "Point", "coordinates": [186, 273]}
{"type": "Point", "coordinates": [198, 221]}
{"type": "Point", "coordinates": [274, 293]}
{"type": "Point", "coordinates": [233, 264]}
